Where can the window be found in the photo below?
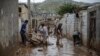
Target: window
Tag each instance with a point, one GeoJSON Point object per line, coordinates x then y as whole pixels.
{"type": "Point", "coordinates": [20, 10]}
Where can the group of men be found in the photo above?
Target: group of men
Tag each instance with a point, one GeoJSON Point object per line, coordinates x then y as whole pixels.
{"type": "Point", "coordinates": [44, 31]}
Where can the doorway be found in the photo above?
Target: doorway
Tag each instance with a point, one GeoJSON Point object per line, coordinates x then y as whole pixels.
{"type": "Point", "coordinates": [92, 29]}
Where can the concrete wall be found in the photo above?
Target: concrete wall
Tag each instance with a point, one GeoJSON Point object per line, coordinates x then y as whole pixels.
{"type": "Point", "coordinates": [83, 17]}
{"type": "Point", "coordinates": [68, 24]}
{"type": "Point", "coordinates": [8, 27]}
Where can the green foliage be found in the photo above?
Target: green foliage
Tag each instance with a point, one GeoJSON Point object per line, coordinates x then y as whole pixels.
{"type": "Point", "coordinates": [66, 8]}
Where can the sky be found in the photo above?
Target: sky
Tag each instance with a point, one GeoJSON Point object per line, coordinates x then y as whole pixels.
{"type": "Point", "coordinates": [37, 1]}
{"type": "Point", "coordinates": [88, 1]}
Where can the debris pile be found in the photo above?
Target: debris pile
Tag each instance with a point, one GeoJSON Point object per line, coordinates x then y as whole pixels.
{"type": "Point", "coordinates": [36, 39]}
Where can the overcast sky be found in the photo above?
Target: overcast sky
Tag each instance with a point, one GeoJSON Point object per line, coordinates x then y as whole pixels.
{"type": "Point", "coordinates": [36, 1]}
{"type": "Point", "coordinates": [88, 1]}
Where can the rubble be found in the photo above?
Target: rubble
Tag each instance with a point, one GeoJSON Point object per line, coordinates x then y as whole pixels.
{"type": "Point", "coordinates": [36, 39]}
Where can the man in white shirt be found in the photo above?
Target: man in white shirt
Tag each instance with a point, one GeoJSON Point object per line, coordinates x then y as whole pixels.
{"type": "Point", "coordinates": [45, 34]}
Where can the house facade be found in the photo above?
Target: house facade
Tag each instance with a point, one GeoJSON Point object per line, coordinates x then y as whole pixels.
{"type": "Point", "coordinates": [94, 27]}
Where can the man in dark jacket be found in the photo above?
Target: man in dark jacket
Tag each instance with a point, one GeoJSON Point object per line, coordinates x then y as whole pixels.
{"type": "Point", "coordinates": [59, 33]}
{"type": "Point", "coordinates": [76, 37]}
{"type": "Point", "coordinates": [23, 32]}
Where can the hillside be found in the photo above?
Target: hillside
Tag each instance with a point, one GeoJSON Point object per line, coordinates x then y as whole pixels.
{"type": "Point", "coordinates": [53, 5]}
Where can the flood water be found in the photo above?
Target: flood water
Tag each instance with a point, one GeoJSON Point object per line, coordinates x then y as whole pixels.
{"type": "Point", "coordinates": [67, 49]}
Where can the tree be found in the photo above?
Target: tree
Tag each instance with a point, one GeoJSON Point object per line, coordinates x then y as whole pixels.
{"type": "Point", "coordinates": [67, 8]}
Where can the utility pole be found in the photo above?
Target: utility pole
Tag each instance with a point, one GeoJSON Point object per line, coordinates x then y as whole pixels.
{"type": "Point", "coordinates": [29, 17]}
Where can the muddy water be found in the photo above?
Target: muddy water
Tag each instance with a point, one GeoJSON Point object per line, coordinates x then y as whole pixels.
{"type": "Point", "coordinates": [67, 49]}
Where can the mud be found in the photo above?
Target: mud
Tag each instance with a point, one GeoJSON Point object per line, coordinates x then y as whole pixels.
{"type": "Point", "coordinates": [67, 49]}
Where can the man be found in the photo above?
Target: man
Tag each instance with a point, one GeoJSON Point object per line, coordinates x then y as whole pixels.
{"type": "Point", "coordinates": [41, 30]}
{"type": "Point", "coordinates": [45, 33]}
{"type": "Point", "coordinates": [76, 38]}
{"type": "Point", "coordinates": [23, 32]}
{"type": "Point", "coordinates": [59, 33]}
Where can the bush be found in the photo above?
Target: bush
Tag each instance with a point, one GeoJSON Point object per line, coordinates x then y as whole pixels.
{"type": "Point", "coordinates": [66, 8]}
